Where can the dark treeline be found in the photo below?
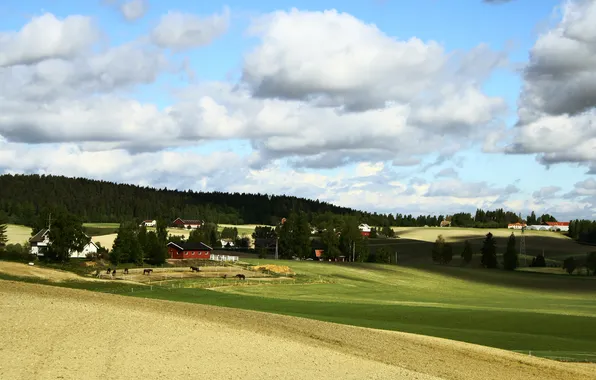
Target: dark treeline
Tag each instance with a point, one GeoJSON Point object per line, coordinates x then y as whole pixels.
{"type": "Point", "coordinates": [24, 198]}
{"type": "Point", "coordinates": [583, 230]}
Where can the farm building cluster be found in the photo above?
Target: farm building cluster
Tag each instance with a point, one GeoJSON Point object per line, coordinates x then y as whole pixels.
{"type": "Point", "coordinates": [547, 226]}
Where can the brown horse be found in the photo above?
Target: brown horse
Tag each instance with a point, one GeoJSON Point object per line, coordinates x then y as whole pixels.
{"type": "Point", "coordinates": [113, 272]}
{"type": "Point", "coordinates": [224, 276]}
{"type": "Point", "coordinates": [240, 276]}
{"type": "Point", "coordinates": [109, 270]}
{"type": "Point", "coordinates": [125, 270]}
{"type": "Point", "coordinates": [195, 269]}
{"type": "Point", "coordinates": [148, 271]}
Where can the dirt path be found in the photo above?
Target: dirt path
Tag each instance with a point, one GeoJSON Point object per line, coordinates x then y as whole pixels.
{"type": "Point", "coordinates": [73, 334]}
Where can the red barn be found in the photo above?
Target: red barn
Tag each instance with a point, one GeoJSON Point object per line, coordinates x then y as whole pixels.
{"type": "Point", "coordinates": [189, 250]}
{"type": "Point", "coordinates": [186, 223]}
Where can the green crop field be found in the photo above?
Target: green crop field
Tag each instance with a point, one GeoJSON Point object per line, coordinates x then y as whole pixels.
{"type": "Point", "coordinates": [551, 316]}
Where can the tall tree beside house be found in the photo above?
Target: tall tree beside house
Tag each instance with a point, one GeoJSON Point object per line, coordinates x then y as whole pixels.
{"type": "Point", "coordinates": [294, 236]}
{"type": "Point", "coordinates": [127, 248]}
{"type": "Point", "coordinates": [489, 251]}
{"type": "Point", "coordinates": [229, 233]}
{"type": "Point", "coordinates": [66, 235]}
{"type": "Point", "coordinates": [264, 232]}
{"type": "Point", "coordinates": [467, 253]}
{"type": "Point", "coordinates": [510, 261]}
{"type": "Point", "coordinates": [161, 229]}
{"type": "Point", "coordinates": [531, 219]}
{"type": "Point", "coordinates": [351, 241]}
{"type": "Point", "coordinates": [155, 252]}
{"type": "Point", "coordinates": [331, 241]}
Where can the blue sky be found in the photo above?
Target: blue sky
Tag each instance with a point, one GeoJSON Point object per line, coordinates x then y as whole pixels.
{"type": "Point", "coordinates": [350, 102]}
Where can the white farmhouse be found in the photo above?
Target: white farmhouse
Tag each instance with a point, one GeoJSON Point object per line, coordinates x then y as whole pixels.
{"type": "Point", "coordinates": [148, 223]}
{"type": "Point", "coordinates": [42, 239]}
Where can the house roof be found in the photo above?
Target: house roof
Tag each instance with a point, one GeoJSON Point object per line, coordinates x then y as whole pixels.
{"type": "Point", "coordinates": [38, 237]}
{"type": "Point", "coordinates": [191, 246]}
{"type": "Point", "coordinates": [189, 221]}
{"type": "Point", "coordinates": [148, 221]}
{"type": "Point", "coordinates": [557, 223]}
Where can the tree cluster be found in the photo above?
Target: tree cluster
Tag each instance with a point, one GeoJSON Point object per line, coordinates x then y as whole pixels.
{"type": "Point", "coordinates": [442, 251]}
{"type": "Point", "coordinates": [136, 245]}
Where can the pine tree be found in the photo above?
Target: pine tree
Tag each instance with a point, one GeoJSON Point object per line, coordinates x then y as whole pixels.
{"type": "Point", "coordinates": [489, 251]}
{"type": "Point", "coordinates": [156, 252]}
{"type": "Point", "coordinates": [447, 254]}
{"type": "Point", "coordinates": [510, 261]}
{"type": "Point", "coordinates": [467, 252]}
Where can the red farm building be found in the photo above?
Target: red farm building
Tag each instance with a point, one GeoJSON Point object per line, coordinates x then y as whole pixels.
{"type": "Point", "coordinates": [187, 223]}
{"type": "Point", "coordinates": [189, 251]}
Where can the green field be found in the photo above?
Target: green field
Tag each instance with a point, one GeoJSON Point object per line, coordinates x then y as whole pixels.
{"type": "Point", "coordinates": [553, 317]}
{"type": "Point", "coordinates": [17, 234]}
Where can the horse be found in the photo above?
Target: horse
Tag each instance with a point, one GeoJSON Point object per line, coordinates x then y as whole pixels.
{"type": "Point", "coordinates": [195, 269]}
{"type": "Point", "coordinates": [240, 276]}
{"type": "Point", "coordinates": [125, 270]}
{"type": "Point", "coordinates": [148, 271]}
{"type": "Point", "coordinates": [224, 276]}
{"type": "Point", "coordinates": [97, 273]}
{"type": "Point", "coordinates": [109, 270]}
{"type": "Point", "coordinates": [113, 272]}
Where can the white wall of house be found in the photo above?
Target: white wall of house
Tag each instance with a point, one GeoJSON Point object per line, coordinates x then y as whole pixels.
{"type": "Point", "coordinates": [364, 227]}
{"type": "Point", "coordinates": [215, 257]}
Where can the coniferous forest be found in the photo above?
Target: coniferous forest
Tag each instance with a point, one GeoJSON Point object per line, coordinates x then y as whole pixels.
{"type": "Point", "coordinates": [23, 198]}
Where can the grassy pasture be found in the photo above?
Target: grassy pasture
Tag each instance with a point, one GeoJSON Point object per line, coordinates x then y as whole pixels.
{"type": "Point", "coordinates": [17, 234]}
{"type": "Point", "coordinates": [555, 318]}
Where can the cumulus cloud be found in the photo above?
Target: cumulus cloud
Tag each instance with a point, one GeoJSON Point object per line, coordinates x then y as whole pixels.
{"type": "Point", "coordinates": [557, 114]}
{"type": "Point", "coordinates": [180, 31]}
{"type": "Point", "coordinates": [134, 9]}
{"type": "Point", "coordinates": [546, 193]}
{"type": "Point", "coordinates": [460, 189]}
{"type": "Point", "coordinates": [46, 37]}
{"type": "Point", "coordinates": [447, 173]}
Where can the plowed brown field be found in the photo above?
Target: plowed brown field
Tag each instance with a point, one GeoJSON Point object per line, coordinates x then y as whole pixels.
{"type": "Point", "coordinates": [50, 332]}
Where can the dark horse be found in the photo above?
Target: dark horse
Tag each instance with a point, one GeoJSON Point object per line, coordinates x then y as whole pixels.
{"type": "Point", "coordinates": [195, 269]}
{"type": "Point", "coordinates": [114, 272]}
{"type": "Point", "coordinates": [240, 276]}
{"type": "Point", "coordinates": [148, 271]}
{"type": "Point", "coordinates": [109, 270]}
{"type": "Point", "coordinates": [224, 276]}
{"type": "Point", "coordinates": [125, 270]}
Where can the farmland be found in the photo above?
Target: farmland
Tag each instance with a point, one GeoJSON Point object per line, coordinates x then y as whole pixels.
{"type": "Point", "coordinates": [132, 330]}
{"type": "Point", "coordinates": [17, 234]}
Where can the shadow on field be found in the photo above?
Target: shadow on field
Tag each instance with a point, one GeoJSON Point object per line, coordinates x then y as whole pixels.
{"type": "Point", "coordinates": [418, 253]}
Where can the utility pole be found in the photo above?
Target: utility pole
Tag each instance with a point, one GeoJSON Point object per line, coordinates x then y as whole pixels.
{"type": "Point", "coordinates": [276, 248]}
{"type": "Point", "coordinates": [50, 221]}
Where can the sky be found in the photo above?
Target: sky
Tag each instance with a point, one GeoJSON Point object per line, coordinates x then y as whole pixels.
{"type": "Point", "coordinates": [400, 106]}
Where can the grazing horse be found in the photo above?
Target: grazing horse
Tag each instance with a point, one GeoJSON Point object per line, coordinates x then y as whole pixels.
{"type": "Point", "coordinates": [224, 276]}
{"type": "Point", "coordinates": [195, 269]}
{"type": "Point", "coordinates": [148, 271]}
{"type": "Point", "coordinates": [97, 273]}
{"type": "Point", "coordinates": [240, 276]}
{"type": "Point", "coordinates": [125, 270]}
{"type": "Point", "coordinates": [113, 272]}
{"type": "Point", "coordinates": [109, 270]}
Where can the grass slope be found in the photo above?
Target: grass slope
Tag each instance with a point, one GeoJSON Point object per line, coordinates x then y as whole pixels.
{"type": "Point", "coordinates": [17, 234]}
{"type": "Point", "coordinates": [554, 320]}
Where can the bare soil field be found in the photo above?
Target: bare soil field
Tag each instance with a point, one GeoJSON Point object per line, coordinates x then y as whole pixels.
{"type": "Point", "coordinates": [72, 334]}
{"type": "Point", "coordinates": [24, 270]}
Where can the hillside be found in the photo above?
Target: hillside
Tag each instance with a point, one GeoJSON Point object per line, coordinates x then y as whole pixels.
{"type": "Point", "coordinates": [140, 339]}
{"type": "Point", "coordinates": [25, 197]}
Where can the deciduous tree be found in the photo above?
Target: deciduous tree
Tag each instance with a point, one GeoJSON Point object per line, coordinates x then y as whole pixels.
{"type": "Point", "coordinates": [569, 265]}
{"type": "Point", "coordinates": [66, 235]}
{"type": "Point", "coordinates": [3, 236]}
{"type": "Point", "coordinates": [437, 251]}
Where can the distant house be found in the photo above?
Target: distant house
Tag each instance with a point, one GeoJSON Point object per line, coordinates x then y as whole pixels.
{"type": "Point", "coordinates": [189, 250]}
{"type": "Point", "coordinates": [364, 229]}
{"type": "Point", "coordinates": [227, 243]}
{"type": "Point", "coordinates": [446, 223]}
{"type": "Point", "coordinates": [41, 240]}
{"type": "Point", "coordinates": [516, 226]}
{"type": "Point", "coordinates": [186, 223]}
{"type": "Point", "coordinates": [148, 223]}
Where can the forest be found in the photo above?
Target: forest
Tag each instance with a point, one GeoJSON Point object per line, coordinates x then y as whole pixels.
{"type": "Point", "coordinates": [24, 198]}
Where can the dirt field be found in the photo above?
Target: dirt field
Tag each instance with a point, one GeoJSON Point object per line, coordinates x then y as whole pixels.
{"type": "Point", "coordinates": [141, 339]}
{"type": "Point", "coordinates": [24, 270]}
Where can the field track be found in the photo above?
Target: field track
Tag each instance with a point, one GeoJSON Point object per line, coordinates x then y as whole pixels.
{"type": "Point", "coordinates": [72, 334]}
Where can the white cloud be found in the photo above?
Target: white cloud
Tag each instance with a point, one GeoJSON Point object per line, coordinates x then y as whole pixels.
{"type": "Point", "coordinates": [181, 31]}
{"type": "Point", "coordinates": [557, 114]}
{"type": "Point", "coordinates": [47, 37]}
{"type": "Point", "coordinates": [134, 9]}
